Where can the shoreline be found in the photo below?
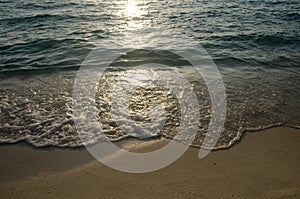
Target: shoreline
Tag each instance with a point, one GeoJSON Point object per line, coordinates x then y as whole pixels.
{"type": "Point", "coordinates": [262, 164]}
{"type": "Point", "coordinates": [122, 141]}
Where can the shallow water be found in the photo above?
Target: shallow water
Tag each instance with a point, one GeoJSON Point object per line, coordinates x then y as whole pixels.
{"type": "Point", "coordinates": [255, 45]}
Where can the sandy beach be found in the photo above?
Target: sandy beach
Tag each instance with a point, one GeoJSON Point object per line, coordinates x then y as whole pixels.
{"type": "Point", "coordinates": [263, 165]}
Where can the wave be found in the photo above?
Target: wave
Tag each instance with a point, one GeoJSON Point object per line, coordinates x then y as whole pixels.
{"type": "Point", "coordinates": [50, 5]}
{"type": "Point", "coordinates": [239, 136]}
{"type": "Point", "coordinates": [291, 17]}
{"type": "Point", "coordinates": [44, 53]}
{"type": "Point", "coordinates": [37, 108]}
{"type": "Point", "coordinates": [37, 18]}
{"type": "Point", "coordinates": [262, 39]}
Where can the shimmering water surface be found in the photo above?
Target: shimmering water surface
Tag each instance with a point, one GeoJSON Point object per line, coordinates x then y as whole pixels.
{"type": "Point", "coordinates": [255, 45]}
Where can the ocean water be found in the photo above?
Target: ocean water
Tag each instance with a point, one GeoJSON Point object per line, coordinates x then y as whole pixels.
{"type": "Point", "coordinates": [255, 45]}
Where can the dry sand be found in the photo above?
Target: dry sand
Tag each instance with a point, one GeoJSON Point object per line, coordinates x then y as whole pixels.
{"type": "Point", "coordinates": [263, 165]}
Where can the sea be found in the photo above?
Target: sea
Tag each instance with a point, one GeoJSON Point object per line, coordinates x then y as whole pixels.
{"type": "Point", "coordinates": [255, 45]}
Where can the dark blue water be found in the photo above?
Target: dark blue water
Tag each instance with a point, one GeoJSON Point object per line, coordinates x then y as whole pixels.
{"type": "Point", "coordinates": [255, 44]}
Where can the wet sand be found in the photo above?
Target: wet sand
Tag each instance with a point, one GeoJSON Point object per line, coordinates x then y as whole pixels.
{"type": "Point", "coordinates": [263, 165]}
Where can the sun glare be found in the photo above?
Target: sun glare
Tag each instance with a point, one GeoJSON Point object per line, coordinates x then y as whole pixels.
{"type": "Point", "coordinates": [133, 10]}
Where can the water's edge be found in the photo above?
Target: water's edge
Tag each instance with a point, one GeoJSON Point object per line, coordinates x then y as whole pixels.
{"type": "Point", "coordinates": [242, 133]}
